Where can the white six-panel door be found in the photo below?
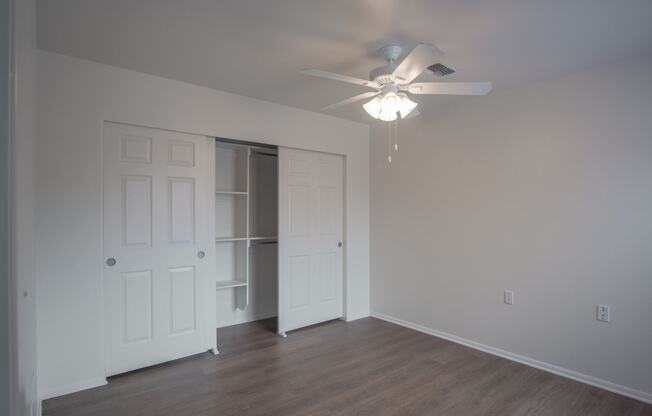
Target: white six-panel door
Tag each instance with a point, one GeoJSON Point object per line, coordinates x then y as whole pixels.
{"type": "Point", "coordinates": [156, 246]}
{"type": "Point", "coordinates": [310, 238]}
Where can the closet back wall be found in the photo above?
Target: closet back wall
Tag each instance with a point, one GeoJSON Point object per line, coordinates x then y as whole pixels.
{"type": "Point", "coordinates": [74, 97]}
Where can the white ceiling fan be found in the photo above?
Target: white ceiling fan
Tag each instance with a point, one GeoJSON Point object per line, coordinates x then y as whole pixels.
{"type": "Point", "coordinates": [393, 83]}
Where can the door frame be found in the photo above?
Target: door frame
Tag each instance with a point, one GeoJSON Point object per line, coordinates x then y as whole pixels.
{"type": "Point", "coordinates": [344, 317]}
{"type": "Point", "coordinates": [211, 341]}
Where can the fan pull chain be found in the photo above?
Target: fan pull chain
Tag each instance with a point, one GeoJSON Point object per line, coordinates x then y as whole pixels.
{"type": "Point", "coordinates": [396, 135]}
{"type": "Point", "coordinates": [389, 142]}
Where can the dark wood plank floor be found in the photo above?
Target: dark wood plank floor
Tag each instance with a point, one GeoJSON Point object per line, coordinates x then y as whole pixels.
{"type": "Point", "coordinates": [364, 367]}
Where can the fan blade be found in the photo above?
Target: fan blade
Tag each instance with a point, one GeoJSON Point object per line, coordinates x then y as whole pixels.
{"type": "Point", "coordinates": [338, 77]}
{"type": "Point", "coordinates": [412, 114]}
{"type": "Point", "coordinates": [416, 62]}
{"type": "Point", "coordinates": [348, 101]}
{"type": "Point", "coordinates": [450, 88]}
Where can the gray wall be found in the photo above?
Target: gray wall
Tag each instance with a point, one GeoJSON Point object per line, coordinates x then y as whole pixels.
{"type": "Point", "coordinates": [17, 297]}
{"type": "Point", "coordinates": [545, 190]}
{"type": "Point", "coordinates": [5, 40]}
{"type": "Point", "coordinates": [74, 97]}
{"type": "Point", "coordinates": [25, 395]}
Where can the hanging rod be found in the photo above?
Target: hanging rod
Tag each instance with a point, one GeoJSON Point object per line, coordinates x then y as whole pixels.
{"type": "Point", "coordinates": [256, 243]}
{"type": "Point", "coordinates": [262, 153]}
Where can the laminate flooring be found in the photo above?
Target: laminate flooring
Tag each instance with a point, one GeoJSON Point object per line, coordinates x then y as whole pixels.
{"type": "Point", "coordinates": [363, 367]}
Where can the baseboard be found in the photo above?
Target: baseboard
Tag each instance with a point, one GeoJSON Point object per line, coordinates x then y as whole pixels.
{"type": "Point", "coordinates": [350, 318]}
{"type": "Point", "coordinates": [551, 368]}
{"type": "Point", "coordinates": [73, 388]}
{"type": "Point", "coordinates": [251, 319]}
{"type": "Point", "coordinates": [91, 383]}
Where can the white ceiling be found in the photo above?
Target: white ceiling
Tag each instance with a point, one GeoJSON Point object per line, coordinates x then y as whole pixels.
{"type": "Point", "coordinates": [257, 48]}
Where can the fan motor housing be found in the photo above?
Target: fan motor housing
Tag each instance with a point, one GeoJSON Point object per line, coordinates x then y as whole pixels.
{"type": "Point", "coordinates": [383, 75]}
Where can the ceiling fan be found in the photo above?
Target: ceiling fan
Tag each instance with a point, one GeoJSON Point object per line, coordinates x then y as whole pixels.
{"type": "Point", "coordinates": [393, 83]}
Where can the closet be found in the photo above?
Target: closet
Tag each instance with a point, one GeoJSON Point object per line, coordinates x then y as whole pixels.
{"type": "Point", "coordinates": [246, 230]}
{"type": "Point", "coordinates": [202, 233]}
{"type": "Point", "coordinates": [279, 224]}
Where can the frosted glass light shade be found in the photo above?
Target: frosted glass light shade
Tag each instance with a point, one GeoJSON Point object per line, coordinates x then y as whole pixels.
{"type": "Point", "coordinates": [374, 106]}
{"type": "Point", "coordinates": [406, 106]}
{"type": "Point", "coordinates": [387, 115]}
{"type": "Point", "coordinates": [390, 106]}
{"type": "Point", "coordinates": [386, 107]}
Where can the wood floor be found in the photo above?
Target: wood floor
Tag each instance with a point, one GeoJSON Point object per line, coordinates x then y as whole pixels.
{"type": "Point", "coordinates": [364, 367]}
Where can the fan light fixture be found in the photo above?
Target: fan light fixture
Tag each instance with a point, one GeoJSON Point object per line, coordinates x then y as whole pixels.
{"type": "Point", "coordinates": [386, 106]}
{"type": "Point", "coordinates": [391, 84]}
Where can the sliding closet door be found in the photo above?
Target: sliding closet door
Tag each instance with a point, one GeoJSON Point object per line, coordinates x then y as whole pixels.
{"type": "Point", "coordinates": [156, 246]}
{"type": "Point", "coordinates": [310, 238]}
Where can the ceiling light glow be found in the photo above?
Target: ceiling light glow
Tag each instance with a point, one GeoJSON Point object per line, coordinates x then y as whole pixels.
{"type": "Point", "coordinates": [387, 106]}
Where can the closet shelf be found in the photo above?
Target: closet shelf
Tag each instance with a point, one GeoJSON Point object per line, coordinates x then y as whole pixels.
{"type": "Point", "coordinates": [227, 284]}
{"type": "Point", "coordinates": [229, 239]}
{"type": "Point", "coordinates": [231, 192]}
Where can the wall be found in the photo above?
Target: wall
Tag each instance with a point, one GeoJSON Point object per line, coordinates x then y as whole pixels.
{"type": "Point", "coordinates": [17, 282]}
{"type": "Point", "coordinates": [74, 97]}
{"type": "Point", "coordinates": [545, 190]}
{"type": "Point", "coordinates": [25, 395]}
{"type": "Point", "coordinates": [5, 168]}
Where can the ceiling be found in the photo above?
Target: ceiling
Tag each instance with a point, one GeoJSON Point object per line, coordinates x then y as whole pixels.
{"type": "Point", "coordinates": [257, 48]}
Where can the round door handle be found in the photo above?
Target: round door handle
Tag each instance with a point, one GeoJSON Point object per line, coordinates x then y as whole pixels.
{"type": "Point", "coordinates": [339, 244]}
{"type": "Point", "coordinates": [200, 254]}
{"type": "Point", "coordinates": [110, 262]}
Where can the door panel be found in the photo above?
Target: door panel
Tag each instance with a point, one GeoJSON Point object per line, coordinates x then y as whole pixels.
{"type": "Point", "coordinates": [182, 296]}
{"type": "Point", "coordinates": [136, 210]}
{"type": "Point", "coordinates": [299, 282]}
{"type": "Point", "coordinates": [310, 228]}
{"type": "Point", "coordinates": [181, 153]}
{"type": "Point", "coordinates": [136, 149]}
{"type": "Point", "coordinates": [181, 192]}
{"type": "Point", "coordinates": [157, 294]}
{"type": "Point", "coordinates": [299, 211]}
{"type": "Point", "coordinates": [328, 276]}
{"type": "Point", "coordinates": [327, 211]}
{"type": "Point", "coordinates": [137, 306]}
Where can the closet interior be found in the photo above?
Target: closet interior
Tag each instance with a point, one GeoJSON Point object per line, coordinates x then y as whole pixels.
{"type": "Point", "coordinates": [246, 230]}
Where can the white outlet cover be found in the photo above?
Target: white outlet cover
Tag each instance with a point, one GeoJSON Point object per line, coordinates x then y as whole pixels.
{"type": "Point", "coordinates": [603, 313]}
{"type": "Point", "coordinates": [508, 297]}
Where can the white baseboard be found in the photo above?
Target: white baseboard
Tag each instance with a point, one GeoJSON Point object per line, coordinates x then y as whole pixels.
{"type": "Point", "coordinates": [73, 388]}
{"type": "Point", "coordinates": [246, 320]}
{"type": "Point", "coordinates": [349, 318]}
{"type": "Point", "coordinates": [91, 383]}
{"type": "Point", "coordinates": [551, 368]}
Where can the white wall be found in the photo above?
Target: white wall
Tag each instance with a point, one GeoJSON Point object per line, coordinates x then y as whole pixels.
{"type": "Point", "coordinates": [74, 97]}
{"type": "Point", "coordinates": [17, 279]}
{"type": "Point", "coordinates": [25, 395]}
{"type": "Point", "coordinates": [6, 116]}
{"type": "Point", "coordinates": [545, 190]}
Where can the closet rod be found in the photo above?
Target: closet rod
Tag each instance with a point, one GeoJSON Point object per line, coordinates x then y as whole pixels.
{"type": "Point", "coordinates": [263, 153]}
{"type": "Point", "coordinates": [264, 242]}
{"type": "Point", "coordinates": [253, 145]}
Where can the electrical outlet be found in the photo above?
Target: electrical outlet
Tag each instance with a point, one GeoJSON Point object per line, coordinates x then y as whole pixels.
{"type": "Point", "coordinates": [508, 297]}
{"type": "Point", "coordinates": [603, 313]}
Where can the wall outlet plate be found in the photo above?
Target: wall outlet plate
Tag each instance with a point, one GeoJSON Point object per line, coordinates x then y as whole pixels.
{"type": "Point", "coordinates": [603, 313]}
{"type": "Point", "coordinates": [508, 297]}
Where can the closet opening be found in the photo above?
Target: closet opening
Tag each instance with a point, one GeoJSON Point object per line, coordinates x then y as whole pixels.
{"type": "Point", "coordinates": [246, 230]}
